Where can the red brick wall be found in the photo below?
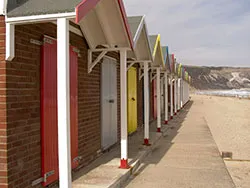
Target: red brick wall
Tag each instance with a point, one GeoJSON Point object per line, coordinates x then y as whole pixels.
{"type": "Point", "coordinates": [23, 110]}
{"type": "Point", "coordinates": [3, 115]}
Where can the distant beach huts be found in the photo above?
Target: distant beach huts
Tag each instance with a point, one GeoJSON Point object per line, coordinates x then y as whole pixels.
{"type": "Point", "coordinates": [78, 77]}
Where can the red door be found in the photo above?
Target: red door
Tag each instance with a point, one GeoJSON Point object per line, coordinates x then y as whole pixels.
{"type": "Point", "coordinates": [49, 137]}
{"type": "Point", "coordinates": [154, 99]}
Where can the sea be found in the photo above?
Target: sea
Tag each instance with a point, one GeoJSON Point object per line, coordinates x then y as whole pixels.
{"type": "Point", "coordinates": [239, 93]}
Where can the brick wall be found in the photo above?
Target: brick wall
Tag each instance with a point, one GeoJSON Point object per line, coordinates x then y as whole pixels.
{"type": "Point", "coordinates": [23, 99]}
{"type": "Point", "coordinates": [3, 115]}
{"type": "Point", "coordinates": [88, 103]}
{"type": "Point", "coordinates": [23, 110]}
{"type": "Point", "coordinates": [23, 105]}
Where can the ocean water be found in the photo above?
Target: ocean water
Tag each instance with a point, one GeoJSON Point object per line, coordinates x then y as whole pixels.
{"type": "Point", "coordinates": [240, 93]}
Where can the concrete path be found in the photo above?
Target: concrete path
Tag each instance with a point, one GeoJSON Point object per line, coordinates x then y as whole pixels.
{"type": "Point", "coordinates": [185, 157]}
{"type": "Point", "coordinates": [104, 171]}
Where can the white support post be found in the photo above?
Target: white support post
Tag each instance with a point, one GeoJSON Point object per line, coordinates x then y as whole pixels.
{"type": "Point", "coordinates": [166, 97]}
{"type": "Point", "coordinates": [146, 105]}
{"type": "Point", "coordinates": [171, 98]}
{"type": "Point", "coordinates": [179, 94]}
{"type": "Point", "coordinates": [3, 4]}
{"type": "Point", "coordinates": [63, 103]}
{"type": "Point", "coordinates": [10, 42]}
{"type": "Point", "coordinates": [181, 83]}
{"type": "Point", "coordinates": [124, 128]}
{"type": "Point", "coordinates": [175, 96]}
{"type": "Point", "coordinates": [158, 87]}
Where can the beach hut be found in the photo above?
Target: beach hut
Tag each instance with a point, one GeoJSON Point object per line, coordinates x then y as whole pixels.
{"type": "Point", "coordinates": [142, 57]}
{"type": "Point", "coordinates": [65, 62]}
{"type": "Point", "coordinates": [166, 89]}
{"type": "Point", "coordinates": [172, 86]}
{"type": "Point", "coordinates": [155, 77]}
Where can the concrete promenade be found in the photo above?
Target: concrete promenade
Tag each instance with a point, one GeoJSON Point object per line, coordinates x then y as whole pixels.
{"type": "Point", "coordinates": [185, 157]}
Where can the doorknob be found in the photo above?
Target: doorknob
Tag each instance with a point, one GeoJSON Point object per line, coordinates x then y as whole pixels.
{"type": "Point", "coordinates": [133, 99]}
{"type": "Point", "coordinates": [111, 101]}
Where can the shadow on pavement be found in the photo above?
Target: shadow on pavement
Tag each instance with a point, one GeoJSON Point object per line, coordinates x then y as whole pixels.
{"type": "Point", "coordinates": [165, 143]}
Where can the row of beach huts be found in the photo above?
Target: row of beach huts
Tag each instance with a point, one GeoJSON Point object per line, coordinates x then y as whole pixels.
{"type": "Point", "coordinates": [77, 77]}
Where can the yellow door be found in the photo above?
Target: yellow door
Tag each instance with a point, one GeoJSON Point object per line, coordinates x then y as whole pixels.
{"type": "Point", "coordinates": [132, 100]}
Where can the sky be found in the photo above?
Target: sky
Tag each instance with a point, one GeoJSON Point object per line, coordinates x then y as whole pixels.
{"type": "Point", "coordinates": [199, 32]}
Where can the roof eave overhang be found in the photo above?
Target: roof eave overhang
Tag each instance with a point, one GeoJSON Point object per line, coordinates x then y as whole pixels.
{"type": "Point", "coordinates": [157, 51]}
{"type": "Point", "coordinates": [142, 27]}
{"type": "Point", "coordinates": [84, 9]}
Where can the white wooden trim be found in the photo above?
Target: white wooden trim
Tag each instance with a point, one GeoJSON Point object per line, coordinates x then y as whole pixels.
{"type": "Point", "coordinates": [63, 103]}
{"type": "Point", "coordinates": [91, 64]}
{"type": "Point", "coordinates": [130, 65]}
{"type": "Point", "coordinates": [10, 42]}
{"type": "Point", "coordinates": [3, 5]}
{"type": "Point", "coordinates": [123, 111]}
{"type": "Point", "coordinates": [158, 88]}
{"type": "Point", "coordinates": [166, 96]}
{"type": "Point", "coordinates": [39, 18]}
{"type": "Point", "coordinates": [72, 29]}
{"type": "Point", "coordinates": [139, 61]}
{"type": "Point", "coordinates": [146, 102]}
{"type": "Point", "coordinates": [112, 58]}
{"type": "Point", "coordinates": [139, 30]}
{"type": "Point", "coordinates": [175, 96]}
{"type": "Point", "coordinates": [171, 97]}
{"type": "Point", "coordinates": [109, 49]}
{"type": "Point", "coordinates": [179, 93]}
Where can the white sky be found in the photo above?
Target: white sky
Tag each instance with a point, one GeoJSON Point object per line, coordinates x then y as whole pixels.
{"type": "Point", "coordinates": [199, 32]}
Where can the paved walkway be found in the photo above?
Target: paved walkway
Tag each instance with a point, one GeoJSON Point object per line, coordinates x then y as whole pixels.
{"type": "Point", "coordinates": [186, 157]}
{"type": "Point", "coordinates": [104, 171]}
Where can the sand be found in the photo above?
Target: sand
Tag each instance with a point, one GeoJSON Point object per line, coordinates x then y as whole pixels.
{"type": "Point", "coordinates": [229, 122]}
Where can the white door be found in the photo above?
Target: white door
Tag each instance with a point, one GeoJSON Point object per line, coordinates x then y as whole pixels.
{"type": "Point", "coordinates": [109, 103]}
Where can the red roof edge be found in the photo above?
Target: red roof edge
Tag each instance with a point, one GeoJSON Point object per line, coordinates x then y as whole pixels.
{"type": "Point", "coordinates": [125, 21]}
{"type": "Point", "coordinates": [84, 7]}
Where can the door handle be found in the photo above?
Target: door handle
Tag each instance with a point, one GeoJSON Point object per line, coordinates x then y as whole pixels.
{"type": "Point", "coordinates": [133, 99]}
{"type": "Point", "coordinates": [111, 101]}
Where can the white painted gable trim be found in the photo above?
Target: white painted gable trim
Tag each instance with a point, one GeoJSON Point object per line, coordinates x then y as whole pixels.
{"type": "Point", "coordinates": [11, 22]}
{"type": "Point", "coordinates": [39, 18]}
{"type": "Point", "coordinates": [138, 32]}
{"type": "Point", "coordinates": [3, 4]}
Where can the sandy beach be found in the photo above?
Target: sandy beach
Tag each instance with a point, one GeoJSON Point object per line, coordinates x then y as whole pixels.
{"type": "Point", "coordinates": [229, 121]}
